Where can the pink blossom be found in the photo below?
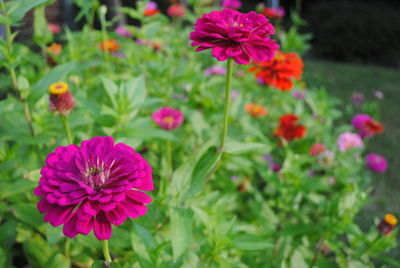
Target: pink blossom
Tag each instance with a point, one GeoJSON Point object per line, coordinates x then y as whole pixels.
{"type": "Point", "coordinates": [215, 70]}
{"type": "Point", "coordinates": [54, 28]}
{"type": "Point", "coordinates": [234, 4]}
{"type": "Point", "coordinates": [152, 5]}
{"type": "Point", "coordinates": [93, 186]}
{"type": "Point", "coordinates": [376, 163]}
{"type": "Point", "coordinates": [168, 118]}
{"type": "Point", "coordinates": [349, 140]}
{"type": "Point", "coordinates": [366, 125]}
{"type": "Point", "coordinates": [176, 10]}
{"type": "Point", "coordinates": [299, 95]}
{"type": "Point", "coordinates": [317, 148]}
{"type": "Point", "coordinates": [122, 31]}
{"type": "Point", "coordinates": [231, 34]}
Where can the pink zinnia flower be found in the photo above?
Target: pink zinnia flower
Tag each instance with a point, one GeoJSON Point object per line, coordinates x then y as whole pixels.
{"type": "Point", "coordinates": [366, 125]}
{"type": "Point", "coordinates": [168, 118]}
{"type": "Point", "coordinates": [234, 4]}
{"type": "Point", "coordinates": [93, 186]}
{"type": "Point", "coordinates": [176, 10]}
{"type": "Point", "coordinates": [54, 28]}
{"type": "Point", "coordinates": [349, 140]}
{"type": "Point", "coordinates": [215, 70]}
{"type": "Point", "coordinates": [317, 148]}
{"type": "Point", "coordinates": [376, 163]}
{"type": "Point", "coordinates": [122, 31]}
{"type": "Point", "coordinates": [231, 34]}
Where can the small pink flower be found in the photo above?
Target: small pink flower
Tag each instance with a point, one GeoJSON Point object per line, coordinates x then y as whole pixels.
{"type": "Point", "coordinates": [231, 34]}
{"type": "Point", "coordinates": [93, 187]}
{"type": "Point", "coordinates": [176, 10]}
{"type": "Point", "coordinates": [122, 31]}
{"type": "Point", "coordinates": [366, 125]}
{"type": "Point", "coordinates": [168, 118]}
{"type": "Point", "coordinates": [349, 140]}
{"type": "Point", "coordinates": [215, 70]}
{"type": "Point", "coordinates": [234, 4]}
{"type": "Point", "coordinates": [54, 28]}
{"type": "Point", "coordinates": [376, 163]}
{"type": "Point", "coordinates": [299, 95]}
{"type": "Point", "coordinates": [317, 148]}
{"type": "Point", "coordinates": [379, 95]}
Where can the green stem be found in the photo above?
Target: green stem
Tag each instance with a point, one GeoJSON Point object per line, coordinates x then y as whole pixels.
{"type": "Point", "coordinates": [104, 36]}
{"type": "Point", "coordinates": [64, 119]}
{"type": "Point", "coordinates": [106, 252]}
{"type": "Point", "coordinates": [169, 158]}
{"type": "Point", "coordinates": [67, 248]}
{"type": "Point", "coordinates": [227, 102]}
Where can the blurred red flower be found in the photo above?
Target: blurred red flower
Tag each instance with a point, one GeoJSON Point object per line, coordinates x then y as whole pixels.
{"type": "Point", "coordinates": [288, 129]}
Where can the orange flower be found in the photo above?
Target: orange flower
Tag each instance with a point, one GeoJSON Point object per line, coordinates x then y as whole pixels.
{"type": "Point", "coordinates": [374, 127]}
{"type": "Point", "coordinates": [151, 12]}
{"type": "Point", "coordinates": [280, 71]}
{"type": "Point", "coordinates": [255, 110]}
{"type": "Point", "coordinates": [287, 128]}
{"type": "Point", "coordinates": [55, 48]}
{"type": "Point", "coordinates": [110, 46]}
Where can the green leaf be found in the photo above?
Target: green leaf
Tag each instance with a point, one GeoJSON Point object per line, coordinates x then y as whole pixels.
{"type": "Point", "coordinates": [18, 8]}
{"type": "Point", "coordinates": [297, 260]}
{"type": "Point", "coordinates": [28, 213]}
{"type": "Point", "coordinates": [111, 89]}
{"type": "Point", "coordinates": [181, 230]}
{"type": "Point", "coordinates": [250, 242]}
{"type": "Point", "coordinates": [37, 251]}
{"type": "Point", "coordinates": [97, 264]}
{"type": "Point", "coordinates": [203, 167]}
{"type": "Point", "coordinates": [58, 261]}
{"type": "Point", "coordinates": [8, 189]}
{"type": "Point", "coordinates": [57, 74]}
{"type": "Point", "coordinates": [233, 147]}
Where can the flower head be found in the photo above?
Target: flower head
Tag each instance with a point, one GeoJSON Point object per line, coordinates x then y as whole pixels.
{"type": "Point", "coordinates": [288, 129]}
{"type": "Point", "coordinates": [366, 125]}
{"type": "Point", "coordinates": [274, 13]}
{"type": "Point", "coordinates": [255, 110]}
{"type": "Point", "coordinates": [122, 31]}
{"type": "Point", "coordinates": [93, 186]}
{"type": "Point", "coordinates": [279, 71]}
{"type": "Point", "coordinates": [275, 167]}
{"type": "Point", "coordinates": [55, 48]}
{"type": "Point", "coordinates": [231, 34]}
{"type": "Point", "coordinates": [61, 99]}
{"type": "Point", "coordinates": [300, 95]}
{"type": "Point", "coordinates": [379, 95]}
{"type": "Point", "coordinates": [215, 70]}
{"type": "Point", "coordinates": [234, 4]}
{"type": "Point", "coordinates": [176, 10]}
{"type": "Point", "coordinates": [168, 118]}
{"type": "Point", "coordinates": [349, 140]}
{"type": "Point", "coordinates": [151, 9]}
{"type": "Point", "coordinates": [357, 98]}
{"type": "Point", "coordinates": [110, 46]}
{"type": "Point", "coordinates": [376, 163]}
{"type": "Point", "coordinates": [54, 28]}
{"type": "Point", "coordinates": [317, 148]}
{"type": "Point", "coordinates": [387, 224]}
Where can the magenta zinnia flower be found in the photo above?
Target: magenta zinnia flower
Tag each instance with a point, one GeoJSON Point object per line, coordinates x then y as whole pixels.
{"type": "Point", "coordinates": [376, 163]}
{"type": "Point", "coordinates": [234, 4]}
{"type": "Point", "coordinates": [122, 31]}
{"type": "Point", "coordinates": [349, 140]}
{"type": "Point", "coordinates": [168, 118]}
{"type": "Point", "coordinates": [93, 186]}
{"type": "Point", "coordinates": [366, 125]}
{"type": "Point", "coordinates": [231, 34]}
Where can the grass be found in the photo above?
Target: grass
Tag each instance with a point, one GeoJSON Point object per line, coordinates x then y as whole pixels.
{"type": "Point", "coordinates": [341, 80]}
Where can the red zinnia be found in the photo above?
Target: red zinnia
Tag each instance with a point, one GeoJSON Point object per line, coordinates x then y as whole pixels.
{"type": "Point", "coordinates": [280, 71]}
{"type": "Point", "coordinates": [288, 129]}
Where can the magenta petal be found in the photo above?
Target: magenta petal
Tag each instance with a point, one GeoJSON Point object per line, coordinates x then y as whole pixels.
{"type": "Point", "coordinates": [69, 229]}
{"type": "Point", "coordinates": [90, 208]}
{"type": "Point", "coordinates": [84, 227]}
{"type": "Point", "coordinates": [139, 196]}
{"type": "Point", "coordinates": [116, 216]}
{"type": "Point", "coordinates": [58, 215]}
{"type": "Point", "coordinates": [102, 227]}
{"type": "Point", "coordinates": [43, 206]}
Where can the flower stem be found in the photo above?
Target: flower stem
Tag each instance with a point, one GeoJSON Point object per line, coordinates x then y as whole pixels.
{"type": "Point", "coordinates": [64, 119]}
{"type": "Point", "coordinates": [227, 102]}
{"type": "Point", "coordinates": [169, 158]}
{"type": "Point", "coordinates": [106, 252]}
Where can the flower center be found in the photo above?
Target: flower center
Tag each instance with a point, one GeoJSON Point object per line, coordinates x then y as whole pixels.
{"type": "Point", "coordinates": [96, 176]}
{"type": "Point", "coordinates": [168, 119]}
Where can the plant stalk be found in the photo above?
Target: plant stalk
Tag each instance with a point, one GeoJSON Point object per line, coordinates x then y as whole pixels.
{"type": "Point", "coordinates": [67, 129]}
{"type": "Point", "coordinates": [227, 103]}
{"type": "Point", "coordinates": [106, 252]}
